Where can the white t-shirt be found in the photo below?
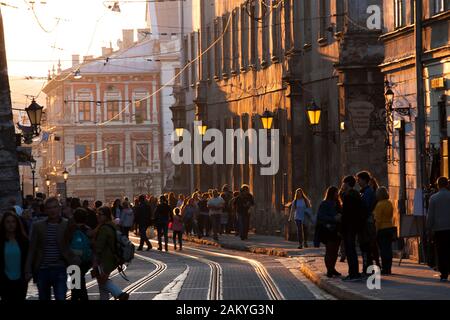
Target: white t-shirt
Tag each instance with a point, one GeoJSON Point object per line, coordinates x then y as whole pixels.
{"type": "Point", "coordinates": [216, 202]}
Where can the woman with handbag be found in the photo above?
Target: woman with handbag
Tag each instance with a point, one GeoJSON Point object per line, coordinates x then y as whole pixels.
{"type": "Point", "coordinates": [386, 231]}
{"type": "Point", "coordinates": [328, 217]}
{"type": "Point", "coordinates": [300, 207]}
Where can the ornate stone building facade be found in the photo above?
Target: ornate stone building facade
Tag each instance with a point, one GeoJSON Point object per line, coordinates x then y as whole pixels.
{"type": "Point", "coordinates": [105, 128]}
{"type": "Point", "coordinates": [279, 56]}
{"type": "Point", "coordinates": [399, 68]}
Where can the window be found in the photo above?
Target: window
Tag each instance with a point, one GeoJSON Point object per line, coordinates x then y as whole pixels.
{"type": "Point", "coordinates": [217, 50]}
{"type": "Point", "coordinates": [142, 155]}
{"type": "Point", "coordinates": [84, 155]}
{"type": "Point", "coordinates": [444, 158]}
{"type": "Point", "coordinates": [287, 25]}
{"type": "Point", "coordinates": [340, 12]}
{"type": "Point", "coordinates": [412, 11]}
{"type": "Point", "coordinates": [114, 155]}
{"type": "Point", "coordinates": [399, 13]}
{"type": "Point", "coordinates": [84, 111]}
{"type": "Point", "coordinates": [226, 44]}
{"type": "Point", "coordinates": [323, 19]}
{"type": "Point", "coordinates": [276, 32]}
{"type": "Point", "coordinates": [112, 109]}
{"type": "Point", "coordinates": [244, 38]}
{"type": "Point", "coordinates": [265, 35]}
{"type": "Point", "coordinates": [439, 6]}
{"type": "Point", "coordinates": [235, 40]}
{"type": "Point", "coordinates": [254, 36]}
{"type": "Point", "coordinates": [140, 109]}
{"type": "Point", "coordinates": [307, 22]}
{"type": "Point", "coordinates": [194, 63]}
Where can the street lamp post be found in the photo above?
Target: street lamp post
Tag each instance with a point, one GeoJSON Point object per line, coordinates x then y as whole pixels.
{"type": "Point", "coordinates": [267, 122]}
{"type": "Point", "coordinates": [33, 172]}
{"type": "Point", "coordinates": [65, 176]}
{"type": "Point", "coordinates": [47, 183]}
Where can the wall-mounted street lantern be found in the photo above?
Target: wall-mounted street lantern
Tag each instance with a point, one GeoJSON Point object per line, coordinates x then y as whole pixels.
{"type": "Point", "coordinates": [389, 95]}
{"type": "Point", "coordinates": [314, 113]}
{"type": "Point", "coordinates": [33, 172]}
{"type": "Point", "coordinates": [34, 112]}
{"type": "Point", "coordinates": [392, 123]}
{"type": "Point", "coordinates": [267, 120]}
{"type": "Point", "coordinates": [65, 176]}
{"type": "Point", "coordinates": [314, 116]}
{"type": "Point", "coordinates": [179, 132]}
{"type": "Point", "coordinates": [201, 129]}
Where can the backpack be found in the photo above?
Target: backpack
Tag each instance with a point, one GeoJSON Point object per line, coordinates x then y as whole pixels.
{"type": "Point", "coordinates": [81, 246]}
{"type": "Point", "coordinates": [124, 247]}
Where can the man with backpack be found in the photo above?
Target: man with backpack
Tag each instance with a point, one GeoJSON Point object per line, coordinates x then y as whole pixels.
{"type": "Point", "coordinates": [107, 256]}
{"type": "Point", "coordinates": [81, 246]}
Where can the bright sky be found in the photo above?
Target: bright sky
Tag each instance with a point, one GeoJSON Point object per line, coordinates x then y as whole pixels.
{"type": "Point", "coordinates": [84, 27]}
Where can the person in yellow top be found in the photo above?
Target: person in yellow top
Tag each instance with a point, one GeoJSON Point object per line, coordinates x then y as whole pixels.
{"type": "Point", "coordinates": [383, 214]}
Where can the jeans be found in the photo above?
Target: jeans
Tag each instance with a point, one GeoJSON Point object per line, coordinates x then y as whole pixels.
{"type": "Point", "coordinates": [300, 232]}
{"type": "Point", "coordinates": [244, 224]}
{"type": "Point", "coordinates": [215, 221]}
{"type": "Point", "coordinates": [179, 235]}
{"type": "Point", "coordinates": [352, 255]}
{"type": "Point", "coordinates": [52, 277]}
{"type": "Point", "coordinates": [163, 230]}
{"type": "Point", "coordinates": [442, 239]}
{"type": "Point", "coordinates": [188, 225]}
{"type": "Point", "coordinates": [384, 240]}
{"type": "Point", "coordinates": [143, 235]}
{"type": "Point", "coordinates": [331, 254]}
{"type": "Point", "coordinates": [203, 222]}
{"type": "Point", "coordinates": [107, 288]}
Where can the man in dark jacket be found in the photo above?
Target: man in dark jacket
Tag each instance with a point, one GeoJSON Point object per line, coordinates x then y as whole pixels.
{"type": "Point", "coordinates": [243, 203]}
{"type": "Point", "coordinates": [163, 215]}
{"type": "Point", "coordinates": [143, 219]}
{"type": "Point", "coordinates": [352, 224]}
{"type": "Point", "coordinates": [367, 240]}
{"type": "Point", "coordinates": [49, 254]}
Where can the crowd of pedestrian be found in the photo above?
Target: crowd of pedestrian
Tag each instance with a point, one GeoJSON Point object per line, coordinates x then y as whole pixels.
{"type": "Point", "coordinates": [41, 238]}
{"type": "Point", "coordinates": [350, 217]}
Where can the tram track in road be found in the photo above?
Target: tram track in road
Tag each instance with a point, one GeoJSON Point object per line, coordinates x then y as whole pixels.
{"type": "Point", "coordinates": [270, 286]}
{"type": "Point", "coordinates": [215, 288]}
{"type": "Point", "coordinates": [272, 290]}
{"type": "Point", "coordinates": [93, 283]}
{"type": "Point", "coordinates": [160, 268]}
